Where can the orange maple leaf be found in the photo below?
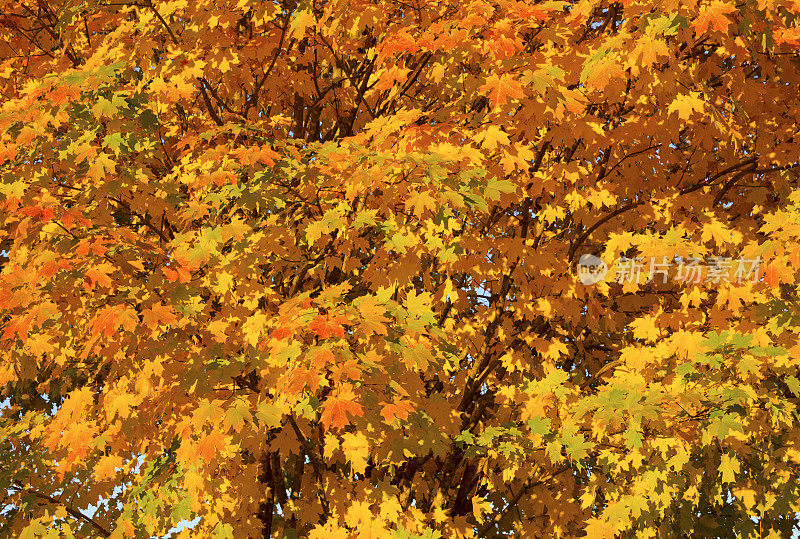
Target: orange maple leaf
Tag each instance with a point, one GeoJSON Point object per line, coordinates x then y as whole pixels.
{"type": "Point", "coordinates": [128, 529]}
{"type": "Point", "coordinates": [790, 36]}
{"type": "Point", "coordinates": [399, 409]}
{"type": "Point", "coordinates": [322, 357]}
{"type": "Point", "coordinates": [98, 275]}
{"type": "Point", "coordinates": [266, 155]}
{"type": "Point", "coordinates": [19, 325]}
{"type": "Point", "coordinates": [177, 272]}
{"type": "Point", "coordinates": [601, 74]}
{"type": "Point", "coordinates": [302, 378]}
{"type": "Point", "coordinates": [282, 332]}
{"type": "Point", "coordinates": [350, 369]}
{"type": "Point", "coordinates": [794, 256]}
{"type": "Point", "coordinates": [85, 152]}
{"type": "Point", "coordinates": [397, 44]}
{"type": "Point", "coordinates": [209, 446]}
{"type": "Point", "coordinates": [336, 408]}
{"type": "Point", "coordinates": [773, 275]}
{"type": "Point", "coordinates": [501, 87]}
{"type": "Point", "coordinates": [325, 325]}
{"type": "Point", "coordinates": [714, 14]}
{"type": "Point", "coordinates": [105, 323]}
{"type": "Point", "coordinates": [159, 314]}
{"type": "Point", "coordinates": [64, 93]}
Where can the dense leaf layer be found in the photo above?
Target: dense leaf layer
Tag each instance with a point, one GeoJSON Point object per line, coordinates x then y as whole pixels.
{"type": "Point", "coordinates": [309, 269]}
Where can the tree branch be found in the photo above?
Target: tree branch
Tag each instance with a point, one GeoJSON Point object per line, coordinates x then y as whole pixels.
{"type": "Point", "coordinates": [513, 503]}
{"type": "Point", "coordinates": [72, 511]}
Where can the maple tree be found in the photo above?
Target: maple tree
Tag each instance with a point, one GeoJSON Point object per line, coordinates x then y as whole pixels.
{"type": "Point", "coordinates": [309, 268]}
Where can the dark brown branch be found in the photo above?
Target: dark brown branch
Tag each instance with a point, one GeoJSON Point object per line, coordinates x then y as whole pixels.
{"type": "Point", "coordinates": [727, 185]}
{"type": "Point", "coordinates": [72, 511]}
{"type": "Point", "coordinates": [598, 224]}
{"type": "Point", "coordinates": [209, 105]}
{"type": "Point", "coordinates": [513, 503]}
{"type": "Point", "coordinates": [163, 22]}
{"type": "Point", "coordinates": [253, 99]}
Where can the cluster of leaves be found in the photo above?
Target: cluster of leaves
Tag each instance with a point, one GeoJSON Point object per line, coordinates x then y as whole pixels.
{"type": "Point", "coordinates": [308, 269]}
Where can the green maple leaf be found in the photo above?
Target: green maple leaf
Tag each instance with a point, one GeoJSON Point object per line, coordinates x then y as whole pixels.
{"type": "Point", "coordinates": [269, 414]}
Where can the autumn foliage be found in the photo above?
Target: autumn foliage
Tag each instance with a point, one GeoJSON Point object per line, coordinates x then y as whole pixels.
{"type": "Point", "coordinates": [310, 269]}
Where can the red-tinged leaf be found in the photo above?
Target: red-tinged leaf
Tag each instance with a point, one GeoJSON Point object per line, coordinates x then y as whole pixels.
{"type": "Point", "coordinates": [336, 408]}
{"type": "Point", "coordinates": [398, 409]}
{"type": "Point", "coordinates": [211, 445]}
{"type": "Point", "coordinates": [19, 324]}
{"type": "Point", "coordinates": [258, 154]}
{"type": "Point", "coordinates": [399, 43]}
{"type": "Point", "coordinates": [713, 14]}
{"type": "Point", "coordinates": [178, 272]}
{"type": "Point", "coordinates": [790, 36]}
{"type": "Point", "coordinates": [64, 93]}
{"type": "Point", "coordinates": [325, 325]}
{"type": "Point", "coordinates": [302, 378]}
{"type": "Point", "coordinates": [30, 211]}
{"type": "Point", "coordinates": [282, 332]}
{"type": "Point", "coordinates": [99, 275]}
{"type": "Point", "coordinates": [266, 155]}
{"type": "Point", "coordinates": [159, 314]}
{"type": "Point", "coordinates": [47, 214]}
{"type": "Point", "coordinates": [772, 275]}
{"type": "Point", "coordinates": [502, 87]}
{"type": "Point", "coordinates": [52, 267]}
{"type": "Point", "coordinates": [105, 323]}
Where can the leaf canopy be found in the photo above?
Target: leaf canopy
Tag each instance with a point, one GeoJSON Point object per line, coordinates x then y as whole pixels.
{"type": "Point", "coordinates": [309, 269]}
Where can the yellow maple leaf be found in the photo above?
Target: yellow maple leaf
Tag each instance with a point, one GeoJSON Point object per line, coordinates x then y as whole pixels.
{"type": "Point", "coordinates": [599, 75]}
{"type": "Point", "coordinates": [647, 51]}
{"type": "Point", "coordinates": [358, 513]}
{"type": "Point", "coordinates": [356, 450]}
{"type": "Point", "coordinates": [728, 467]}
{"type": "Point", "coordinates": [598, 529]}
{"type": "Point", "coordinates": [480, 507]}
{"type": "Point", "coordinates": [218, 328]}
{"type": "Point", "coordinates": [107, 467]}
{"type": "Point", "coordinates": [390, 508]}
{"type": "Point", "coordinates": [253, 327]}
{"type": "Point", "coordinates": [420, 201]}
{"type": "Point", "coordinates": [102, 166]}
{"type": "Point", "coordinates": [492, 136]}
{"type": "Point", "coordinates": [645, 328]}
{"type": "Point", "coordinates": [720, 233]}
{"type": "Point", "coordinates": [301, 21]}
{"type": "Point", "coordinates": [119, 405]}
{"type": "Point", "coordinates": [686, 105]}
{"type": "Point", "coordinates": [39, 344]}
